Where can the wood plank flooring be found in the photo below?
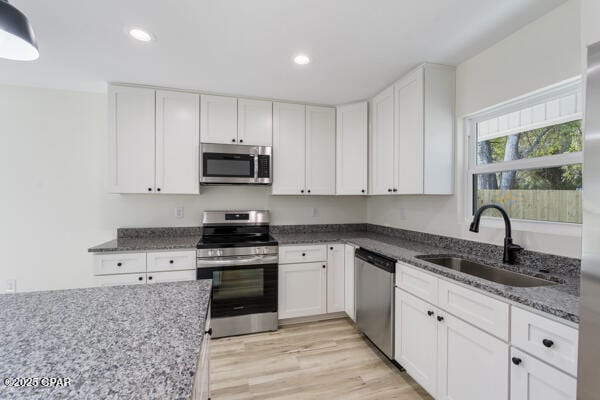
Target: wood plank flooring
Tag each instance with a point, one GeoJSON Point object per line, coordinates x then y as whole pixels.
{"type": "Point", "coordinates": [319, 360]}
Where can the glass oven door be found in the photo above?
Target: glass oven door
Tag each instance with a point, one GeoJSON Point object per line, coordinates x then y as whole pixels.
{"type": "Point", "coordinates": [241, 290]}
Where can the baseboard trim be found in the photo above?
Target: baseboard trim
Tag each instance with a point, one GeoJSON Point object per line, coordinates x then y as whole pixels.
{"type": "Point", "coordinates": [312, 318]}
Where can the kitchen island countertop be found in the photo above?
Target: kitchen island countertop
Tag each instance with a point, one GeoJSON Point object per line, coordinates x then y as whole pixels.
{"type": "Point", "coordinates": [121, 342]}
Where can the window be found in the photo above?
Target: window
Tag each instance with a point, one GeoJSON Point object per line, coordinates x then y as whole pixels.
{"type": "Point", "coordinates": [526, 156]}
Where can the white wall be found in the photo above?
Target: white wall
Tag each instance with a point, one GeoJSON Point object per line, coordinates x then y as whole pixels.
{"type": "Point", "coordinates": [54, 202]}
{"type": "Point", "coordinates": [590, 28]}
{"type": "Point", "coordinates": [542, 53]}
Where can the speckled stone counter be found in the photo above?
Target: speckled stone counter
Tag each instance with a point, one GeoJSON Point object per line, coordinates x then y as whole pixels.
{"type": "Point", "coordinates": [561, 300]}
{"type": "Point", "coordinates": [148, 239]}
{"type": "Point", "coordinates": [122, 342]}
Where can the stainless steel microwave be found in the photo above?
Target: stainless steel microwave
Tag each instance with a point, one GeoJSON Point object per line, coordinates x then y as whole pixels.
{"type": "Point", "coordinates": [236, 164]}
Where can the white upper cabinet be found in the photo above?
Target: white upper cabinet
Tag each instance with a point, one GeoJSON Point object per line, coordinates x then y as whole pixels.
{"type": "Point", "coordinates": [408, 134]}
{"type": "Point", "coordinates": [412, 139]}
{"type": "Point", "coordinates": [320, 150]}
{"type": "Point", "coordinates": [382, 143]}
{"type": "Point", "coordinates": [289, 148]}
{"type": "Point", "coordinates": [351, 150]}
{"type": "Point", "coordinates": [177, 142]}
{"type": "Point", "coordinates": [255, 122]}
{"type": "Point", "coordinates": [132, 139]}
{"type": "Point", "coordinates": [219, 119]}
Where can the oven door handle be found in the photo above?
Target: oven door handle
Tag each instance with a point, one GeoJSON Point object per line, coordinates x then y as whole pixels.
{"type": "Point", "coordinates": [236, 261]}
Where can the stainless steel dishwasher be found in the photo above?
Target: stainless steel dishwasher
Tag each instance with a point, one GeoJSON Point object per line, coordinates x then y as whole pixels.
{"type": "Point", "coordinates": [374, 275]}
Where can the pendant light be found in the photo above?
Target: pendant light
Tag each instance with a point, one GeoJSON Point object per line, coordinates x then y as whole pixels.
{"type": "Point", "coordinates": [17, 40]}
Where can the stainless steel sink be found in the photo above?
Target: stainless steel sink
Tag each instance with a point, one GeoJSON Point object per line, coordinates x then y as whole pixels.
{"type": "Point", "coordinates": [487, 272]}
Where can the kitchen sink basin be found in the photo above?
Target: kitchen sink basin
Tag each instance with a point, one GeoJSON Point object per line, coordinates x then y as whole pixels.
{"type": "Point", "coordinates": [487, 272]}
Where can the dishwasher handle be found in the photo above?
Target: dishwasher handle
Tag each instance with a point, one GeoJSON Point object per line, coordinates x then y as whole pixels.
{"type": "Point", "coordinates": [377, 260]}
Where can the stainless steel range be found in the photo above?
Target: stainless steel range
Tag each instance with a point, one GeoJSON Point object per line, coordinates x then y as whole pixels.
{"type": "Point", "coordinates": [241, 257]}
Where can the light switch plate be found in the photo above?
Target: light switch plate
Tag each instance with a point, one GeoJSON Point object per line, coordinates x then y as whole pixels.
{"type": "Point", "coordinates": [11, 286]}
{"type": "Point", "coordinates": [179, 212]}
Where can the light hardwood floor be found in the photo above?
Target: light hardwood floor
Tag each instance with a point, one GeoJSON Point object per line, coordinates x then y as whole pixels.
{"type": "Point", "coordinates": [318, 360]}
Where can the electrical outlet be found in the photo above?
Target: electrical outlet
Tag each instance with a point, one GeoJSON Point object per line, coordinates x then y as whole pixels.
{"type": "Point", "coordinates": [11, 286]}
{"type": "Point", "coordinates": [178, 212]}
{"type": "Point", "coordinates": [402, 213]}
{"type": "Point", "coordinates": [315, 212]}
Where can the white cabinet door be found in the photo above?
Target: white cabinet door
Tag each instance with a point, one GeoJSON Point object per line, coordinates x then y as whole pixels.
{"type": "Point", "coordinates": [171, 276]}
{"type": "Point", "coordinates": [415, 343]}
{"type": "Point", "coordinates": [409, 133]}
{"type": "Point", "coordinates": [351, 149]}
{"type": "Point", "coordinates": [255, 122]}
{"type": "Point", "coordinates": [218, 119]}
{"type": "Point", "coordinates": [121, 279]}
{"type": "Point", "coordinates": [335, 278]}
{"type": "Point", "coordinates": [531, 379]}
{"type": "Point", "coordinates": [349, 279]}
{"type": "Point", "coordinates": [473, 365]}
{"type": "Point", "coordinates": [320, 150]}
{"type": "Point", "coordinates": [382, 143]}
{"type": "Point", "coordinates": [171, 260]}
{"type": "Point", "coordinates": [302, 290]}
{"type": "Point", "coordinates": [132, 139]}
{"type": "Point", "coordinates": [177, 142]}
{"type": "Point", "coordinates": [289, 148]}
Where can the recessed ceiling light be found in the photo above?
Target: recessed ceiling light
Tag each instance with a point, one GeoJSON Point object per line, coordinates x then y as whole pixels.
{"type": "Point", "coordinates": [301, 59]}
{"type": "Point", "coordinates": [140, 34]}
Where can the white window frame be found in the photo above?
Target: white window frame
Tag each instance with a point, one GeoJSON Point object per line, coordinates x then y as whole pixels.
{"type": "Point", "coordinates": [470, 127]}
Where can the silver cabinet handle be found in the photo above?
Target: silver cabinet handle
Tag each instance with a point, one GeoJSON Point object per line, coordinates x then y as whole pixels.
{"type": "Point", "coordinates": [241, 260]}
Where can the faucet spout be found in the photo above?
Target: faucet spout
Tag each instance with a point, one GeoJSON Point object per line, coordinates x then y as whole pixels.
{"type": "Point", "coordinates": [510, 249]}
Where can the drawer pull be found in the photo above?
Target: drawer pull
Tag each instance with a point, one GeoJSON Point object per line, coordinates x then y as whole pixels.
{"type": "Point", "coordinates": [119, 264]}
{"type": "Point", "coordinates": [430, 313]}
{"type": "Point", "coordinates": [548, 343]}
{"type": "Point", "coordinates": [324, 266]}
{"type": "Point", "coordinates": [516, 360]}
{"type": "Point", "coordinates": [170, 261]}
{"type": "Point", "coordinates": [150, 278]}
{"type": "Point", "coordinates": [331, 248]}
{"type": "Point", "coordinates": [440, 318]}
{"type": "Point", "coordinates": [140, 278]}
{"type": "Point", "coordinates": [303, 254]}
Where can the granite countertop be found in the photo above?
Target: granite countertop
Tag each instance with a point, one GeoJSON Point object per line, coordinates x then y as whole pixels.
{"type": "Point", "coordinates": [121, 342]}
{"type": "Point", "coordinates": [561, 300]}
{"type": "Point", "coordinates": [147, 244]}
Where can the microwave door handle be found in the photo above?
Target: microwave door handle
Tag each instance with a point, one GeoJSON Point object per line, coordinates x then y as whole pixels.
{"type": "Point", "coordinates": [256, 167]}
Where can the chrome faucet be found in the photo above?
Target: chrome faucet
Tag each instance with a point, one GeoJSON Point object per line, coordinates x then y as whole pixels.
{"type": "Point", "coordinates": [510, 249]}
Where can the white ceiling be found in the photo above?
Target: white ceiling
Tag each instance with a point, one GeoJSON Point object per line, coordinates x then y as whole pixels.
{"type": "Point", "coordinates": [246, 47]}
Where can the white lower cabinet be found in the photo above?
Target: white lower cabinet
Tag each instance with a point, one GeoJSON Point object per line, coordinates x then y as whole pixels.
{"type": "Point", "coordinates": [171, 276]}
{"type": "Point", "coordinates": [335, 278]}
{"type": "Point", "coordinates": [532, 379]}
{"type": "Point", "coordinates": [473, 365]}
{"type": "Point", "coordinates": [201, 388]}
{"type": "Point", "coordinates": [302, 289]}
{"type": "Point", "coordinates": [416, 339]}
{"type": "Point", "coordinates": [120, 279]}
{"type": "Point", "coordinates": [138, 268]}
{"type": "Point", "coordinates": [455, 343]}
{"type": "Point", "coordinates": [449, 358]}
{"type": "Point", "coordinates": [349, 282]}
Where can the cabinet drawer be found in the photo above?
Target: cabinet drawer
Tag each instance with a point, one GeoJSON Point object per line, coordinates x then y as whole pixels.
{"type": "Point", "coordinates": [171, 260]}
{"type": "Point", "coordinates": [171, 276]}
{"type": "Point", "coordinates": [484, 312]}
{"type": "Point", "coordinates": [299, 254]}
{"type": "Point", "coordinates": [546, 339]}
{"type": "Point", "coordinates": [416, 282]}
{"type": "Point", "coordinates": [120, 279]}
{"type": "Point", "coordinates": [531, 379]}
{"type": "Point", "coordinates": [106, 264]}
